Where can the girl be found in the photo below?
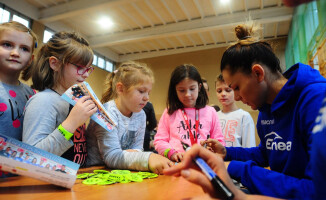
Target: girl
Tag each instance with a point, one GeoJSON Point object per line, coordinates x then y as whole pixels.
{"type": "Point", "coordinates": [288, 105]}
{"type": "Point", "coordinates": [127, 92]}
{"type": "Point", "coordinates": [187, 120]}
{"type": "Point", "coordinates": [49, 124]}
{"type": "Point", "coordinates": [17, 43]}
{"type": "Point", "coordinates": [237, 125]}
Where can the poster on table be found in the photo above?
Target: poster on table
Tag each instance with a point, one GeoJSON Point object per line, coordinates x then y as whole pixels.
{"type": "Point", "coordinates": [20, 158]}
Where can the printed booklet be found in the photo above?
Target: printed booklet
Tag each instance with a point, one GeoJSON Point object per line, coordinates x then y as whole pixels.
{"type": "Point", "coordinates": [83, 89]}
{"type": "Point", "coordinates": [20, 158]}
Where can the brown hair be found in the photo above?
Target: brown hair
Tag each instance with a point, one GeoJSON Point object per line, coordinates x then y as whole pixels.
{"type": "Point", "coordinates": [129, 74]}
{"type": "Point", "coordinates": [68, 47]}
{"type": "Point", "coordinates": [219, 78]}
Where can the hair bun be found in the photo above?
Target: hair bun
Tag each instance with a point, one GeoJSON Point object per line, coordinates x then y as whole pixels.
{"type": "Point", "coordinates": [243, 32]}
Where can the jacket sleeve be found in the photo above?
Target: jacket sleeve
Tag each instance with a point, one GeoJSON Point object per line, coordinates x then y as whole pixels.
{"type": "Point", "coordinates": [216, 130]}
{"type": "Point", "coordinates": [258, 180]}
{"type": "Point", "coordinates": [40, 126]}
{"type": "Point", "coordinates": [256, 154]}
{"type": "Point", "coordinates": [248, 131]}
{"type": "Point", "coordinates": [162, 137]}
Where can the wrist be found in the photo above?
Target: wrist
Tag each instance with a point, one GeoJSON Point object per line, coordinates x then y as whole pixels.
{"type": "Point", "coordinates": [165, 153]}
{"type": "Point", "coordinates": [69, 126]}
{"type": "Point", "coordinates": [170, 153]}
{"type": "Point", "coordinates": [66, 134]}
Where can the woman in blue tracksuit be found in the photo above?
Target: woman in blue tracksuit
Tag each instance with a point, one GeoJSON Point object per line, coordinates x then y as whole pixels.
{"type": "Point", "coordinates": [288, 105]}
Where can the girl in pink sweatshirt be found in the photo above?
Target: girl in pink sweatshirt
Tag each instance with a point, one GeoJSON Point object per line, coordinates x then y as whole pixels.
{"type": "Point", "coordinates": [187, 119]}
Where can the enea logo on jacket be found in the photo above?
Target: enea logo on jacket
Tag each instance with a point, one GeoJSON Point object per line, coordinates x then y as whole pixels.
{"type": "Point", "coordinates": [276, 142]}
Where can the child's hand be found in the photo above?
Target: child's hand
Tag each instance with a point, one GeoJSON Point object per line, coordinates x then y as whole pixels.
{"type": "Point", "coordinates": [177, 157]}
{"type": "Point", "coordinates": [214, 146]}
{"type": "Point", "coordinates": [157, 163]}
{"type": "Point", "coordinates": [81, 112]}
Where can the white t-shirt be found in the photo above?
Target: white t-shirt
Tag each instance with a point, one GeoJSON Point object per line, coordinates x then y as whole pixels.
{"type": "Point", "coordinates": [238, 128]}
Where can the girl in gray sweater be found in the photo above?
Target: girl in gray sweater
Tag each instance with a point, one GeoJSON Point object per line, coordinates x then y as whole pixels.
{"type": "Point", "coordinates": [126, 94]}
{"type": "Point", "coordinates": [50, 123]}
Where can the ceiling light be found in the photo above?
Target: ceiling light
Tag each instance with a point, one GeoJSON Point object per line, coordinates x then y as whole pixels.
{"type": "Point", "coordinates": [224, 2]}
{"type": "Point", "coordinates": [105, 22]}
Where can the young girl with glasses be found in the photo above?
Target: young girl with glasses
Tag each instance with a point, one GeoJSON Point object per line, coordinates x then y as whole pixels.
{"type": "Point", "coordinates": [127, 92]}
{"type": "Point", "coordinates": [187, 119]}
{"type": "Point", "coordinates": [50, 123]}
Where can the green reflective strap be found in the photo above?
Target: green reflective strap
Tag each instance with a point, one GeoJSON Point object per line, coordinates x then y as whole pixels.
{"type": "Point", "coordinates": [65, 133]}
{"type": "Point", "coordinates": [166, 152]}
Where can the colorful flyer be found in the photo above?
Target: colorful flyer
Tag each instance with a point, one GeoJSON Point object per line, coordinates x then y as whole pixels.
{"type": "Point", "coordinates": [83, 89]}
{"type": "Point", "coordinates": [23, 159]}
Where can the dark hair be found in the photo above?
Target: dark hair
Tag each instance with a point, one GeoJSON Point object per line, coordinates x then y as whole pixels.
{"type": "Point", "coordinates": [219, 78]}
{"type": "Point", "coordinates": [216, 107]}
{"type": "Point", "coordinates": [180, 73]}
{"type": "Point", "coordinates": [248, 51]}
{"type": "Point", "coordinates": [205, 81]}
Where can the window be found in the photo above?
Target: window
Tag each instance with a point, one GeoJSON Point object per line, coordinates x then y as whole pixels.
{"type": "Point", "coordinates": [95, 60]}
{"type": "Point", "coordinates": [109, 66]}
{"type": "Point", "coordinates": [7, 14]}
{"type": "Point", "coordinates": [102, 62]}
{"type": "Point", "coordinates": [4, 15]}
{"type": "Point", "coordinates": [47, 35]}
{"type": "Point", "coordinates": [20, 20]}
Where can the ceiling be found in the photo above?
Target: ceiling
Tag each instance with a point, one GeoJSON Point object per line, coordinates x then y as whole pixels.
{"type": "Point", "coordinates": [151, 28]}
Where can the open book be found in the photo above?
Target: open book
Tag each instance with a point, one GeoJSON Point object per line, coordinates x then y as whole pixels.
{"type": "Point", "coordinates": [83, 89]}
{"type": "Point", "coordinates": [23, 159]}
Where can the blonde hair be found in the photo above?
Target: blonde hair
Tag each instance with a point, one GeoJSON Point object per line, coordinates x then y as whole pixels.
{"type": "Point", "coordinates": [13, 25]}
{"type": "Point", "coordinates": [67, 47]}
{"type": "Point", "coordinates": [129, 74]}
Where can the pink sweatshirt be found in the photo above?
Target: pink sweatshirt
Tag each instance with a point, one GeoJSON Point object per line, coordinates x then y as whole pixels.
{"type": "Point", "coordinates": [172, 129]}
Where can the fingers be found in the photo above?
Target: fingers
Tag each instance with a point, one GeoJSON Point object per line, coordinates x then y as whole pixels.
{"type": "Point", "coordinates": [87, 104]}
{"type": "Point", "coordinates": [171, 164]}
{"type": "Point", "coordinates": [180, 157]}
{"type": "Point", "coordinates": [159, 169]}
{"type": "Point", "coordinates": [176, 169]}
{"type": "Point", "coordinates": [198, 178]}
{"type": "Point", "coordinates": [188, 158]}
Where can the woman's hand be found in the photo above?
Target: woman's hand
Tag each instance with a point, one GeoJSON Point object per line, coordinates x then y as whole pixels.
{"type": "Point", "coordinates": [214, 146]}
{"type": "Point", "coordinates": [189, 170]}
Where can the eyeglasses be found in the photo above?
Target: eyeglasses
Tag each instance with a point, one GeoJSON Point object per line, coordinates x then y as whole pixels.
{"type": "Point", "coordinates": [82, 70]}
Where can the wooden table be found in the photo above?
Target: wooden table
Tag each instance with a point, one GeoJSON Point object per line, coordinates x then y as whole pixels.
{"type": "Point", "coordinates": [162, 187]}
